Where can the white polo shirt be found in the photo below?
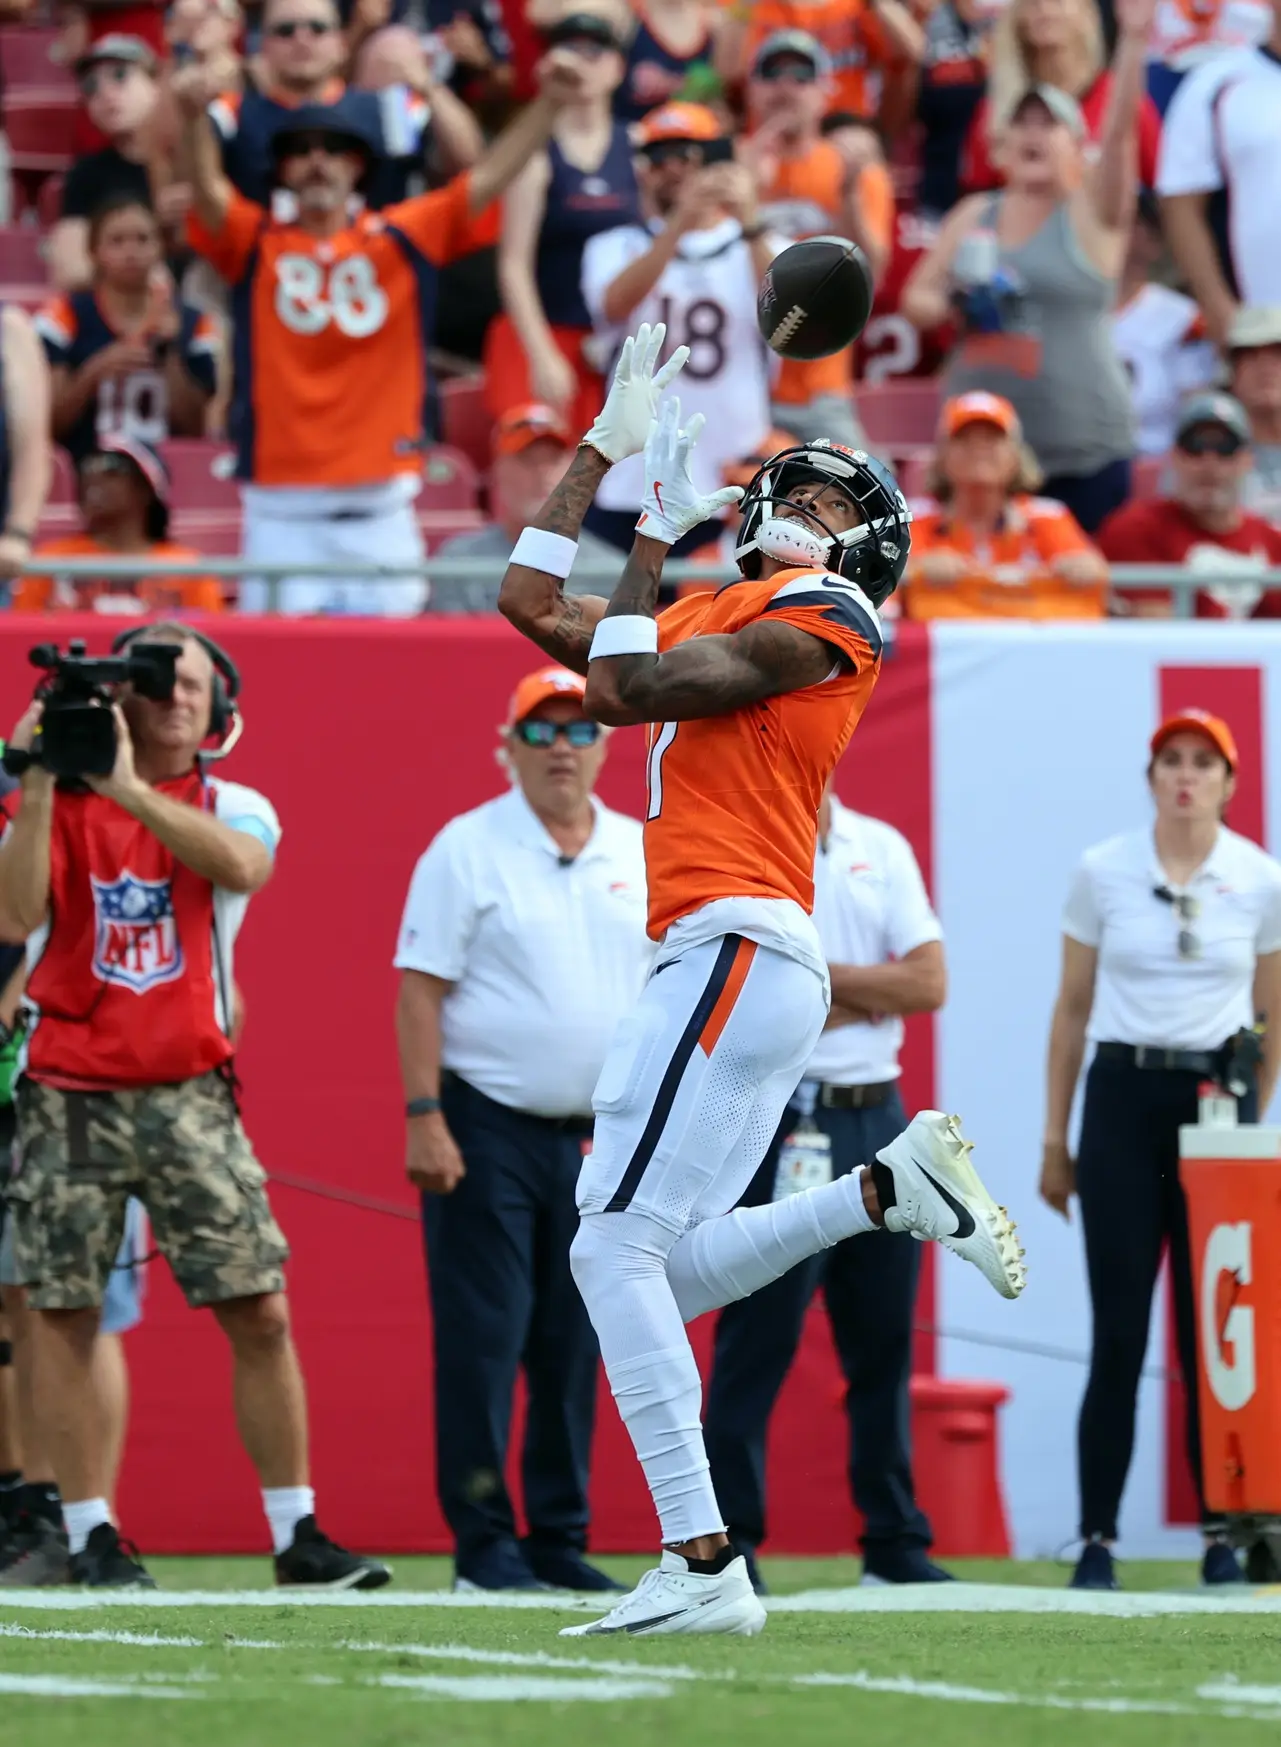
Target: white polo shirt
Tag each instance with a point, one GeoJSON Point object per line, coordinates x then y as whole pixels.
{"type": "Point", "coordinates": [1144, 991]}
{"type": "Point", "coordinates": [870, 905]}
{"type": "Point", "coordinates": [546, 956]}
{"type": "Point", "coordinates": [1222, 131]}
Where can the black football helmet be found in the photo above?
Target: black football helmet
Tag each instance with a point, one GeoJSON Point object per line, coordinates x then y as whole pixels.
{"type": "Point", "coordinates": [872, 554]}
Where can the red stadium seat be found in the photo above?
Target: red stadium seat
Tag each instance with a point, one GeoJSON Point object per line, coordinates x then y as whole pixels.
{"type": "Point", "coordinates": [914, 473]}
{"type": "Point", "coordinates": [216, 533]}
{"type": "Point", "coordinates": [49, 201]}
{"type": "Point", "coordinates": [467, 423]}
{"type": "Point", "coordinates": [28, 297]}
{"type": "Point", "coordinates": [450, 481]}
{"type": "Point", "coordinates": [896, 415]}
{"type": "Point", "coordinates": [200, 472]}
{"type": "Point", "coordinates": [26, 61]}
{"type": "Point", "coordinates": [62, 486]}
{"type": "Point", "coordinates": [22, 259]}
{"type": "Point", "coordinates": [441, 525]}
{"type": "Point", "coordinates": [40, 126]}
{"type": "Point", "coordinates": [1147, 475]}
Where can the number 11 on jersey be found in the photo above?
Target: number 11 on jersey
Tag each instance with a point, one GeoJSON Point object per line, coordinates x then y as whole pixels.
{"type": "Point", "coordinates": [663, 733]}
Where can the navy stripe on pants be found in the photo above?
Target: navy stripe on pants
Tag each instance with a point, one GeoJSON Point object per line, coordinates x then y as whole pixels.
{"type": "Point", "coordinates": [1132, 1208]}
{"type": "Point", "coordinates": [502, 1297]}
{"type": "Point", "coordinates": [869, 1284]}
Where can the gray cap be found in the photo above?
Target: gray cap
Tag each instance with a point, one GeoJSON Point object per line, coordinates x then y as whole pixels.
{"type": "Point", "coordinates": [1259, 326]}
{"type": "Point", "coordinates": [117, 47]}
{"type": "Point", "coordinates": [1061, 105]}
{"type": "Point", "coordinates": [793, 42]}
{"type": "Point", "coordinates": [1214, 409]}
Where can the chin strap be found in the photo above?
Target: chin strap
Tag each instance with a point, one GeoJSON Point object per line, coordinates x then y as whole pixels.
{"type": "Point", "coordinates": [788, 541]}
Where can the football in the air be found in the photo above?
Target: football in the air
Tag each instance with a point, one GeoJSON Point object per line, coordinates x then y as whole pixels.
{"type": "Point", "coordinates": [815, 298]}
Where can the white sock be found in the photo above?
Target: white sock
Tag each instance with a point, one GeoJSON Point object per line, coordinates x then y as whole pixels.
{"type": "Point", "coordinates": [82, 1519]}
{"type": "Point", "coordinates": [734, 1255]}
{"type": "Point", "coordinates": [619, 1262]}
{"type": "Point", "coordinates": [286, 1506]}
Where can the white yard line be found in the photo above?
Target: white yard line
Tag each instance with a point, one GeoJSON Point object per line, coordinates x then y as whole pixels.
{"type": "Point", "coordinates": [962, 1598]}
{"type": "Point", "coordinates": [1235, 1692]}
{"type": "Point", "coordinates": [147, 1640]}
{"type": "Point", "coordinates": [510, 1688]}
{"type": "Point", "coordinates": [533, 1659]}
{"type": "Point", "coordinates": [72, 1686]}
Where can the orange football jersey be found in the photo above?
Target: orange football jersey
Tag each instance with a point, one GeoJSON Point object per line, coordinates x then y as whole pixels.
{"type": "Point", "coordinates": [331, 334]}
{"type": "Point", "coordinates": [733, 799]}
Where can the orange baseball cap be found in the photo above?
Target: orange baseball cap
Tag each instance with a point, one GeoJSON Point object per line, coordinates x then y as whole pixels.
{"type": "Point", "coordinates": [1214, 728]}
{"type": "Point", "coordinates": [540, 688]}
{"type": "Point", "coordinates": [678, 121]}
{"type": "Point", "coordinates": [522, 425]}
{"type": "Point", "coordinates": [979, 408]}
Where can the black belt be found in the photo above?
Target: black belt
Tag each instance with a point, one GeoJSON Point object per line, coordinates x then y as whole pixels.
{"type": "Point", "coordinates": [1180, 1061]}
{"type": "Point", "coordinates": [856, 1097]}
{"type": "Point", "coordinates": [580, 1125]}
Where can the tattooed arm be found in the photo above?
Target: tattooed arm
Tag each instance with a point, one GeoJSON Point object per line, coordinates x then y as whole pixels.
{"type": "Point", "coordinates": [535, 602]}
{"type": "Point", "coordinates": [707, 676]}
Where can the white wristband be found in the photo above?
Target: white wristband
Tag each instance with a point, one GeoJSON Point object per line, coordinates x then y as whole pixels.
{"type": "Point", "coordinates": [625, 634]}
{"type": "Point", "coordinates": [553, 554]}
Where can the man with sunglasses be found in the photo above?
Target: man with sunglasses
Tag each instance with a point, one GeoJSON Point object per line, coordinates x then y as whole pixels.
{"type": "Point", "coordinates": [303, 53]}
{"type": "Point", "coordinates": [521, 948]}
{"type": "Point", "coordinates": [335, 312]}
{"type": "Point", "coordinates": [1202, 525]}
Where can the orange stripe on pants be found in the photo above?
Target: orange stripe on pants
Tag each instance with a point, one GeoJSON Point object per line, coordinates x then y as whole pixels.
{"type": "Point", "coordinates": [718, 1018]}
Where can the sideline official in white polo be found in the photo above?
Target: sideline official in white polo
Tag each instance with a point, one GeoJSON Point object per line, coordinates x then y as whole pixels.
{"type": "Point", "coordinates": [522, 944]}
{"type": "Point", "coordinates": [884, 949]}
{"type": "Point", "coordinates": [1171, 948]}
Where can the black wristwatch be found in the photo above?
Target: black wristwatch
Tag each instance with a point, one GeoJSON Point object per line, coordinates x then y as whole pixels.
{"type": "Point", "coordinates": [422, 1107]}
{"type": "Point", "coordinates": [18, 534]}
{"type": "Point", "coordinates": [752, 232]}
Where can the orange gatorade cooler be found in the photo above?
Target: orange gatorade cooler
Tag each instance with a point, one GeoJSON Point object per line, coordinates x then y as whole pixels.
{"type": "Point", "coordinates": [1232, 1179]}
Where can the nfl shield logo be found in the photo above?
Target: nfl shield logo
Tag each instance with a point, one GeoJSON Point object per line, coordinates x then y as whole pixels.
{"type": "Point", "coordinates": [136, 938]}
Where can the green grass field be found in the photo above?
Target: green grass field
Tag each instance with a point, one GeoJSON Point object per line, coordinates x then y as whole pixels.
{"type": "Point", "coordinates": [867, 1668]}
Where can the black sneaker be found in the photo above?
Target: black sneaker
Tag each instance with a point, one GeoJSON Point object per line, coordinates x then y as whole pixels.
{"type": "Point", "coordinates": [1219, 1565]}
{"type": "Point", "coordinates": [107, 1562]}
{"type": "Point", "coordinates": [1261, 1564]}
{"type": "Point", "coordinates": [35, 1556]}
{"type": "Point", "coordinates": [315, 1560]}
{"type": "Point", "coordinates": [565, 1568]}
{"type": "Point", "coordinates": [501, 1565]}
{"type": "Point", "coordinates": [1095, 1569]}
{"type": "Point", "coordinates": [902, 1565]}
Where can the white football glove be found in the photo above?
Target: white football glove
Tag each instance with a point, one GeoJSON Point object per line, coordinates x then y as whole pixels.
{"type": "Point", "coordinates": [672, 505]}
{"type": "Point", "coordinates": [623, 422]}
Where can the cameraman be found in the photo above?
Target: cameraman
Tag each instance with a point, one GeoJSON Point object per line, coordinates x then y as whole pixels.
{"type": "Point", "coordinates": [134, 886]}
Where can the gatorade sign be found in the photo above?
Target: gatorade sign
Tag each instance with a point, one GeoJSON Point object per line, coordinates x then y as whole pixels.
{"type": "Point", "coordinates": [1227, 1327]}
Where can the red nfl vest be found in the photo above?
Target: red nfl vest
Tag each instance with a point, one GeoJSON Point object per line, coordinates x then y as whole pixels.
{"type": "Point", "coordinates": [123, 982]}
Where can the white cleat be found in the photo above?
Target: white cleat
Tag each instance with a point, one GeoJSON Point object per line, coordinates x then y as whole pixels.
{"type": "Point", "coordinates": [672, 1598]}
{"type": "Point", "coordinates": [938, 1194]}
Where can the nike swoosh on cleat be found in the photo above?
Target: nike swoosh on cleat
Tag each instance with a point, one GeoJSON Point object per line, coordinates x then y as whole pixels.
{"type": "Point", "coordinates": [662, 1619]}
{"type": "Point", "coordinates": [964, 1218]}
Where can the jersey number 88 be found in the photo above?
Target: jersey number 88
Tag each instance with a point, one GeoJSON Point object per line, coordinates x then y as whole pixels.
{"type": "Point", "coordinates": [308, 297]}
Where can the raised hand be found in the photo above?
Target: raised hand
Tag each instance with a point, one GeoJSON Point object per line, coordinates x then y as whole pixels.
{"type": "Point", "coordinates": [622, 425]}
{"type": "Point", "coordinates": [672, 504]}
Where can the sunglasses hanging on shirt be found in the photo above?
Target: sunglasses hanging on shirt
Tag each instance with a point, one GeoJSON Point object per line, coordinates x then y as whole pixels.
{"type": "Point", "coordinates": [1188, 910]}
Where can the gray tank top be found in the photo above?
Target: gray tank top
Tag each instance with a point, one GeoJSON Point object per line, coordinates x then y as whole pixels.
{"type": "Point", "coordinates": [1055, 362]}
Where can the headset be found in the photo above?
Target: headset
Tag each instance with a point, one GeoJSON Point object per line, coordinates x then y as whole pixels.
{"type": "Point", "coordinates": [225, 721]}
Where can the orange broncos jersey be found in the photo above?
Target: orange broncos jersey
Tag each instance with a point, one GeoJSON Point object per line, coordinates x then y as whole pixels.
{"type": "Point", "coordinates": [1010, 575]}
{"type": "Point", "coordinates": [331, 334]}
{"type": "Point", "coordinates": [733, 799]}
{"type": "Point", "coordinates": [850, 32]}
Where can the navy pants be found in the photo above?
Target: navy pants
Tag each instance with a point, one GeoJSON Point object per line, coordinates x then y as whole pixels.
{"type": "Point", "coordinates": [502, 1297]}
{"type": "Point", "coordinates": [1132, 1209]}
{"type": "Point", "coordinates": [869, 1284]}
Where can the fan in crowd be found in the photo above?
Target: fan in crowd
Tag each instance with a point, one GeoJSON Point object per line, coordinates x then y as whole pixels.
{"type": "Point", "coordinates": [124, 356]}
{"type": "Point", "coordinates": [580, 184]}
{"type": "Point", "coordinates": [986, 546]}
{"type": "Point", "coordinates": [1203, 524]}
{"type": "Point", "coordinates": [122, 489]}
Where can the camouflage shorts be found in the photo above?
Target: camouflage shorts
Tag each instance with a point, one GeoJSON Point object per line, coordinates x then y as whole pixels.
{"type": "Point", "coordinates": [181, 1150]}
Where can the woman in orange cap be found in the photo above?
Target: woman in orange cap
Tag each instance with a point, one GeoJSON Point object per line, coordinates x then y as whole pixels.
{"type": "Point", "coordinates": [984, 545]}
{"type": "Point", "coordinates": [1171, 947]}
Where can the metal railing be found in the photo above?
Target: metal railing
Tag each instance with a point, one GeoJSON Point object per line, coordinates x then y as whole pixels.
{"type": "Point", "coordinates": [462, 585]}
